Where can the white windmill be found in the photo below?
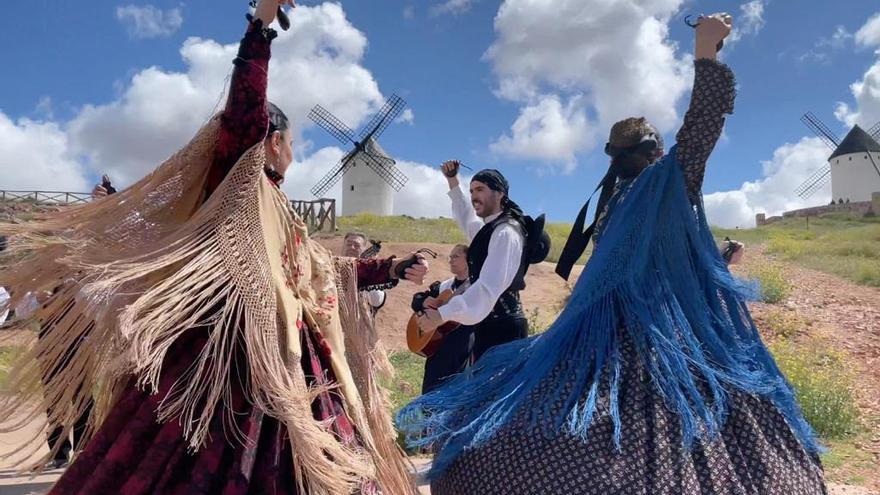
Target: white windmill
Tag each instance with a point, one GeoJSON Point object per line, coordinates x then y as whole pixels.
{"type": "Point", "coordinates": [369, 176]}
{"type": "Point", "coordinates": [853, 167]}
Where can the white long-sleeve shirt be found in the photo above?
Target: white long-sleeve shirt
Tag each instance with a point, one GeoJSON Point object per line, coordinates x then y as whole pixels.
{"type": "Point", "coordinates": [375, 298]}
{"type": "Point", "coordinates": [4, 305]}
{"type": "Point", "coordinates": [498, 271]}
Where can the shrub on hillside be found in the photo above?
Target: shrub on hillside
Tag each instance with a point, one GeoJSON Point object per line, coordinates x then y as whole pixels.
{"type": "Point", "coordinates": [774, 285]}
{"type": "Point", "coordinates": [781, 324]}
{"type": "Point", "coordinates": [822, 385]}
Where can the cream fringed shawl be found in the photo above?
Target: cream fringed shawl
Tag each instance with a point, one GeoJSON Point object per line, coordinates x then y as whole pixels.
{"type": "Point", "coordinates": [132, 272]}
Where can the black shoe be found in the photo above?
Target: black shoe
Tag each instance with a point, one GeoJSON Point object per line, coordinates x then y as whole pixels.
{"type": "Point", "coordinates": [56, 464]}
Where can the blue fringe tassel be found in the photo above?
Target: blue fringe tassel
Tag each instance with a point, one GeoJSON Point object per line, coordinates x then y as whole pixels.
{"type": "Point", "coordinates": [657, 275]}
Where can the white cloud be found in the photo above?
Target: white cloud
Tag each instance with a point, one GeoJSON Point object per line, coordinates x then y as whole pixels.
{"type": "Point", "coordinates": [45, 108]}
{"type": "Point", "coordinates": [550, 130]}
{"type": "Point", "coordinates": [821, 51]}
{"type": "Point", "coordinates": [148, 21]}
{"type": "Point", "coordinates": [407, 117]}
{"type": "Point", "coordinates": [425, 193]}
{"type": "Point", "coordinates": [837, 40]}
{"type": "Point", "coordinates": [865, 91]}
{"type": "Point", "coordinates": [409, 12]}
{"type": "Point", "coordinates": [453, 7]}
{"type": "Point", "coordinates": [317, 61]}
{"type": "Point", "coordinates": [35, 156]}
{"type": "Point", "coordinates": [580, 50]}
{"type": "Point", "coordinates": [749, 23]}
{"type": "Point", "coordinates": [306, 171]}
{"type": "Point", "coordinates": [869, 34]}
{"type": "Point", "coordinates": [773, 193]}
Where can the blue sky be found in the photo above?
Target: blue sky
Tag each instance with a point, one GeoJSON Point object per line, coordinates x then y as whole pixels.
{"type": "Point", "coordinates": [526, 86]}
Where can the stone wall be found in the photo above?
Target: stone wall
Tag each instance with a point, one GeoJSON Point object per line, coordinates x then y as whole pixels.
{"type": "Point", "coordinates": [861, 207]}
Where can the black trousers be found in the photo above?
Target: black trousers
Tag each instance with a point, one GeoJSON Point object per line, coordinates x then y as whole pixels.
{"type": "Point", "coordinates": [497, 330]}
{"type": "Point", "coordinates": [452, 357]}
{"type": "Point", "coordinates": [56, 435]}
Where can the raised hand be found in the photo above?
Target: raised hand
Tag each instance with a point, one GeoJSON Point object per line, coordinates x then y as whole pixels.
{"type": "Point", "coordinates": [450, 171]}
{"type": "Point", "coordinates": [99, 192]}
{"type": "Point", "coordinates": [267, 9]}
{"type": "Point", "coordinates": [711, 31]}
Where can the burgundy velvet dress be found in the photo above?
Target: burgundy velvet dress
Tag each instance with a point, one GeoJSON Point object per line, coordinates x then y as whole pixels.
{"type": "Point", "coordinates": [132, 453]}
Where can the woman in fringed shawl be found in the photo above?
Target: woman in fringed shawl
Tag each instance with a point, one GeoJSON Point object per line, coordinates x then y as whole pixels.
{"type": "Point", "coordinates": [207, 325]}
{"type": "Point", "coordinates": [653, 380]}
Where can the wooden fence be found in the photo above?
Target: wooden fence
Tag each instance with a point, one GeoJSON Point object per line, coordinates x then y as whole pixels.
{"type": "Point", "coordinates": [46, 197]}
{"type": "Point", "coordinates": [319, 215]}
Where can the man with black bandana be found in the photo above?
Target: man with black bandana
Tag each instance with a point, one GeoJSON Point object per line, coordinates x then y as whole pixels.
{"type": "Point", "coordinates": [496, 258]}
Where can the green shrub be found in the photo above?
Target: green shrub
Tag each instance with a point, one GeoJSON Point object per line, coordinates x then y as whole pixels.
{"type": "Point", "coordinates": [823, 387]}
{"type": "Point", "coordinates": [407, 382]}
{"type": "Point", "coordinates": [8, 356]}
{"type": "Point", "coordinates": [774, 285]}
{"type": "Point", "coordinates": [781, 324]}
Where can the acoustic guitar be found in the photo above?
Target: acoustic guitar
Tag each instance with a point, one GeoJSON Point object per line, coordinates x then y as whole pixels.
{"type": "Point", "coordinates": [425, 343]}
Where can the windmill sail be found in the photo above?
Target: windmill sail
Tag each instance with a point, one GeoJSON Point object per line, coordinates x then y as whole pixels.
{"type": "Point", "coordinates": [814, 183]}
{"type": "Point", "coordinates": [332, 125]}
{"type": "Point", "coordinates": [366, 150]}
{"type": "Point", "coordinates": [383, 118]}
{"type": "Point", "coordinates": [822, 131]}
{"type": "Point", "coordinates": [332, 177]}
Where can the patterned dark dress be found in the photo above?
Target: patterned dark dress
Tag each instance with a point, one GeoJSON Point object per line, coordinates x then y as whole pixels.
{"type": "Point", "coordinates": [132, 453]}
{"type": "Point", "coordinates": [755, 453]}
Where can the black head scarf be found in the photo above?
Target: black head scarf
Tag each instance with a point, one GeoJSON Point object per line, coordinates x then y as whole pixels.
{"type": "Point", "coordinates": [537, 241]}
{"type": "Point", "coordinates": [632, 145]}
{"type": "Point", "coordinates": [496, 182]}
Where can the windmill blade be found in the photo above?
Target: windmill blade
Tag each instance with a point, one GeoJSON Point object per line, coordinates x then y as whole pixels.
{"type": "Point", "coordinates": [331, 124]}
{"type": "Point", "coordinates": [332, 177]}
{"type": "Point", "coordinates": [816, 181]}
{"type": "Point", "coordinates": [377, 125]}
{"type": "Point", "coordinates": [386, 169]}
{"type": "Point", "coordinates": [874, 132]}
{"type": "Point", "coordinates": [873, 162]}
{"type": "Point", "coordinates": [821, 130]}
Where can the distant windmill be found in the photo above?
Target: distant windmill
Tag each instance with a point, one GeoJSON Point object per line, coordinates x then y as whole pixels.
{"type": "Point", "coordinates": [852, 167]}
{"type": "Point", "coordinates": [370, 177]}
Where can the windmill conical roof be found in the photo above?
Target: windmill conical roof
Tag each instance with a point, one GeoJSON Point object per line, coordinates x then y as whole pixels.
{"type": "Point", "coordinates": [856, 141]}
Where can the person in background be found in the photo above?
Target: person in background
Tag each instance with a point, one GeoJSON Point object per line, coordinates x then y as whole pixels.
{"type": "Point", "coordinates": [354, 245]}
{"type": "Point", "coordinates": [105, 188]}
{"type": "Point", "coordinates": [454, 353]}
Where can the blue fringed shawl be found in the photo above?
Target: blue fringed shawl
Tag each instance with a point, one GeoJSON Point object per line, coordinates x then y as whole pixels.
{"type": "Point", "coordinates": [656, 276]}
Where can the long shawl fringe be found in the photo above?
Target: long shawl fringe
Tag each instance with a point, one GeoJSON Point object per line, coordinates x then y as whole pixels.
{"type": "Point", "coordinates": [656, 278]}
{"type": "Point", "coordinates": [134, 271]}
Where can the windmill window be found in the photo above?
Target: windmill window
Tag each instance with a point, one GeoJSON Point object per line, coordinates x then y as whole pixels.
{"type": "Point", "coordinates": [352, 188]}
{"type": "Point", "coordinates": [850, 158]}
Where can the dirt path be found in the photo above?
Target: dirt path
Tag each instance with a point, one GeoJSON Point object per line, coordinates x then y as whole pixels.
{"type": "Point", "coordinates": [846, 317]}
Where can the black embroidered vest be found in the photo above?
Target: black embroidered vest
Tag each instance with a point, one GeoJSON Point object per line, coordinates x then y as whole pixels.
{"type": "Point", "coordinates": [508, 303]}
